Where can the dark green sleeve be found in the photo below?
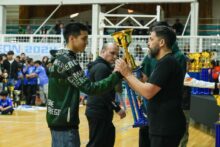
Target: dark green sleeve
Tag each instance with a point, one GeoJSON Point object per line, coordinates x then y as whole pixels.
{"type": "Point", "coordinates": [179, 55]}
{"type": "Point", "coordinates": [145, 66]}
{"type": "Point", "coordinates": [93, 88]}
{"type": "Point", "coordinates": [181, 58]}
{"type": "Point", "coordinates": [71, 70]}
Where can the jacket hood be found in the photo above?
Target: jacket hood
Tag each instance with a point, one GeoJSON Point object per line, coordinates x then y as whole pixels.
{"type": "Point", "coordinates": [98, 60]}
{"type": "Point", "coordinates": [55, 53]}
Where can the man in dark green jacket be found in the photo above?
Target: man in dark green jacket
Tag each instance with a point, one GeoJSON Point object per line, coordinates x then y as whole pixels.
{"type": "Point", "coordinates": [66, 80]}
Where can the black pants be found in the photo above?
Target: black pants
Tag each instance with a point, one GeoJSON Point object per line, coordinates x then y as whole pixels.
{"type": "Point", "coordinates": [144, 140]}
{"type": "Point", "coordinates": [165, 141]}
{"type": "Point", "coordinates": [101, 133]}
{"type": "Point", "coordinates": [31, 94]}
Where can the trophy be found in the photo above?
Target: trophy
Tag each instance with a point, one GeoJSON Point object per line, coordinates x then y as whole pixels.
{"type": "Point", "coordinates": [11, 90]}
{"type": "Point", "coordinates": [123, 39]}
{"type": "Point", "coordinates": [204, 74]}
{"type": "Point", "coordinates": [217, 124]}
{"type": "Point", "coordinates": [194, 69]}
{"type": "Point", "coordinates": [5, 81]}
{"type": "Point", "coordinates": [17, 97]}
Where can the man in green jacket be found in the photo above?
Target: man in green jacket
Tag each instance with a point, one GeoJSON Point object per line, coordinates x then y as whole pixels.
{"type": "Point", "coordinates": [66, 80]}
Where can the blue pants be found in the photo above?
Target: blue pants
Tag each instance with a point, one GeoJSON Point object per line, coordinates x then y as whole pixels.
{"type": "Point", "coordinates": [67, 138]}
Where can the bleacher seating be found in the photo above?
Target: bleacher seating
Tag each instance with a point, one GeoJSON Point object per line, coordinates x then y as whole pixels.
{"type": "Point", "coordinates": [204, 29]}
{"type": "Point", "coordinates": [209, 29]}
{"type": "Point", "coordinates": [14, 29]}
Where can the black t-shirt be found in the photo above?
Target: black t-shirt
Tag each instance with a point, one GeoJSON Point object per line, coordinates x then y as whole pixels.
{"type": "Point", "coordinates": [164, 109]}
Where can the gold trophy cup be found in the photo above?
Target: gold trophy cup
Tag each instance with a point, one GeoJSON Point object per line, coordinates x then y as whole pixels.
{"type": "Point", "coordinates": [11, 90]}
{"type": "Point", "coordinates": [123, 39]}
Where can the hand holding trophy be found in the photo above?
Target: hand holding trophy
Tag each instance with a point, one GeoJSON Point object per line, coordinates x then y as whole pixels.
{"type": "Point", "coordinates": [123, 39]}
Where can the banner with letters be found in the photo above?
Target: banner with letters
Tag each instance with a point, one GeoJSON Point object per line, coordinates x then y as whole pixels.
{"type": "Point", "coordinates": [33, 50]}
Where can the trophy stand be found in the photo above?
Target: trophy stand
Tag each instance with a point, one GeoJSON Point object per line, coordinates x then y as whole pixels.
{"type": "Point", "coordinates": [217, 125]}
{"type": "Point", "coordinates": [123, 39]}
{"type": "Point", "coordinates": [141, 120]}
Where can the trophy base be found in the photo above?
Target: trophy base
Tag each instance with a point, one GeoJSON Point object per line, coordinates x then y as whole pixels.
{"type": "Point", "coordinates": [140, 123]}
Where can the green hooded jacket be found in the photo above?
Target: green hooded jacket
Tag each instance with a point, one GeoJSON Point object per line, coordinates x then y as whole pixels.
{"type": "Point", "coordinates": [66, 80]}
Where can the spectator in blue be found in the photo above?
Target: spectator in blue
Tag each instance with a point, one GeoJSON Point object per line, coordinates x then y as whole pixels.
{"type": "Point", "coordinates": [31, 82]}
{"type": "Point", "coordinates": [40, 73]}
{"type": "Point", "coordinates": [18, 83]}
{"type": "Point", "coordinates": [25, 80]}
{"type": "Point", "coordinates": [1, 72]}
{"type": "Point", "coordinates": [6, 106]}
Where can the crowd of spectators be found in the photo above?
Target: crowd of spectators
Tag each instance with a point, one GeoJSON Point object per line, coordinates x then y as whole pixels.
{"type": "Point", "coordinates": [26, 75]}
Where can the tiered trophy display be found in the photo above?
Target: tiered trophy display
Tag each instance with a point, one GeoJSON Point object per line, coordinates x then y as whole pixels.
{"type": "Point", "coordinates": [217, 125]}
{"type": "Point", "coordinates": [123, 39]}
{"type": "Point", "coordinates": [199, 69]}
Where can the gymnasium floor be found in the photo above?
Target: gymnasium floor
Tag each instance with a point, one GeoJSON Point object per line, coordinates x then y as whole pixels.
{"type": "Point", "coordinates": [29, 129]}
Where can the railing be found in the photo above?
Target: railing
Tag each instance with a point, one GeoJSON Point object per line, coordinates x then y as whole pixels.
{"type": "Point", "coordinates": [37, 46]}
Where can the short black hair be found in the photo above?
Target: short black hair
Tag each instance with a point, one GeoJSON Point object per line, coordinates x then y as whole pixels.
{"type": "Point", "coordinates": [3, 93]}
{"type": "Point", "coordinates": [29, 60]}
{"type": "Point", "coordinates": [38, 62]}
{"type": "Point", "coordinates": [73, 29]}
{"type": "Point", "coordinates": [10, 53]}
{"type": "Point", "coordinates": [159, 23]}
{"type": "Point", "coordinates": [166, 33]}
{"type": "Point", "coordinates": [20, 65]}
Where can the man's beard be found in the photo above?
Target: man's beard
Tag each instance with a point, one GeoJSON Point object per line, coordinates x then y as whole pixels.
{"type": "Point", "coordinates": [154, 52]}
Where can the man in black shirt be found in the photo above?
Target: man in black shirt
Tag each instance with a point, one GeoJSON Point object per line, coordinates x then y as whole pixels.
{"type": "Point", "coordinates": [163, 90]}
{"type": "Point", "coordinates": [99, 110]}
{"type": "Point", "coordinates": [11, 67]}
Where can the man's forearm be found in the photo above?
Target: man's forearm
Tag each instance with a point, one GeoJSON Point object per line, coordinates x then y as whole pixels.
{"type": "Point", "coordinates": [192, 82]}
